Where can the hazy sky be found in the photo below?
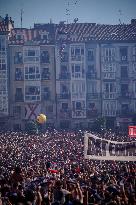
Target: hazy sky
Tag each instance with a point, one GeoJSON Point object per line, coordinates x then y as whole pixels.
{"type": "Point", "coordinates": [93, 11]}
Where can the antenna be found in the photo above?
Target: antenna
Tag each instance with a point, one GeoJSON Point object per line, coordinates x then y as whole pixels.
{"type": "Point", "coordinates": [120, 13]}
{"type": "Point", "coordinates": [21, 16]}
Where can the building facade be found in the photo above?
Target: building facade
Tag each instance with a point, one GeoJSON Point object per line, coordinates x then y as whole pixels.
{"type": "Point", "coordinates": [6, 24]}
{"type": "Point", "coordinates": [32, 75]}
{"type": "Point", "coordinates": [74, 73]}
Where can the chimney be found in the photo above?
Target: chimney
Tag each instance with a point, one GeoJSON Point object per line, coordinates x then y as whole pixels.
{"type": "Point", "coordinates": [133, 21]}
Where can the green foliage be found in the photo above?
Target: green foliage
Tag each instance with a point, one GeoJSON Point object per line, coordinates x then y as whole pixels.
{"type": "Point", "coordinates": [31, 127]}
{"type": "Point", "coordinates": [99, 123]}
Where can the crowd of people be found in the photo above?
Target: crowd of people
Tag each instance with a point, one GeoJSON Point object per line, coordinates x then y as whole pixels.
{"type": "Point", "coordinates": [50, 169]}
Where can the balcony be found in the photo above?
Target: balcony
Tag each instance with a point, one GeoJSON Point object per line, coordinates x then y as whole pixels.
{"type": "Point", "coordinates": [90, 75]}
{"type": "Point", "coordinates": [109, 95]}
{"type": "Point", "coordinates": [79, 113]}
{"type": "Point", "coordinates": [108, 75]}
{"type": "Point", "coordinates": [64, 76]}
{"type": "Point", "coordinates": [93, 96]}
{"type": "Point", "coordinates": [109, 113]}
{"type": "Point", "coordinates": [19, 98]}
{"type": "Point", "coordinates": [63, 96]}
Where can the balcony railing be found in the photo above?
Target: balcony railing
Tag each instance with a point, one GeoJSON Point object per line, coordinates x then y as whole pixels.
{"type": "Point", "coordinates": [109, 95]}
{"type": "Point", "coordinates": [63, 96]}
{"type": "Point", "coordinates": [108, 75]}
{"type": "Point", "coordinates": [19, 98]}
{"type": "Point", "coordinates": [80, 113]}
{"type": "Point", "coordinates": [64, 76]}
{"type": "Point", "coordinates": [90, 75]}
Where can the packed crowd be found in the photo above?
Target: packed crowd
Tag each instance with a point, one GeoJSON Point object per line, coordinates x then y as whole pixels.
{"type": "Point", "coordinates": [50, 168]}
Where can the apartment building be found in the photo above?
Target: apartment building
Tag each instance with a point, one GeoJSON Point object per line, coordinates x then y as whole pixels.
{"type": "Point", "coordinates": [99, 71]}
{"type": "Point", "coordinates": [32, 75]}
{"type": "Point", "coordinates": [6, 24]}
{"type": "Point", "coordinates": [74, 73]}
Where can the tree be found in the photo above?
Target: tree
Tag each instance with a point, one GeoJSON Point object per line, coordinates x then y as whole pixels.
{"type": "Point", "coordinates": [31, 127]}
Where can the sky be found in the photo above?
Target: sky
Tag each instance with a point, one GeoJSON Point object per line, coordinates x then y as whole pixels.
{"type": "Point", "coordinates": [92, 11]}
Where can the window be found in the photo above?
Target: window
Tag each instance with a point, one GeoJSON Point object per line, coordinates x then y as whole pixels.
{"type": "Point", "coordinates": [19, 95]}
{"type": "Point", "coordinates": [77, 52]}
{"type": "Point", "coordinates": [64, 57]}
{"type": "Point", "coordinates": [45, 74]}
{"type": "Point", "coordinates": [91, 68]}
{"type": "Point", "coordinates": [109, 90]}
{"type": "Point", "coordinates": [134, 53]}
{"type": "Point", "coordinates": [2, 65]}
{"type": "Point", "coordinates": [109, 87]}
{"type": "Point", "coordinates": [19, 37]}
{"type": "Point", "coordinates": [46, 92]}
{"type": "Point", "coordinates": [64, 89]}
{"type": "Point", "coordinates": [109, 54]}
{"type": "Point", "coordinates": [2, 43]}
{"type": "Point", "coordinates": [77, 72]}
{"type": "Point", "coordinates": [32, 73]}
{"type": "Point", "coordinates": [78, 105]}
{"type": "Point", "coordinates": [18, 74]}
{"type": "Point", "coordinates": [31, 55]}
{"type": "Point", "coordinates": [124, 90]}
{"type": "Point", "coordinates": [32, 93]}
{"type": "Point", "coordinates": [3, 102]}
{"type": "Point", "coordinates": [65, 106]}
{"type": "Point", "coordinates": [123, 54]}
{"type": "Point", "coordinates": [18, 58]}
{"type": "Point", "coordinates": [92, 87]}
{"type": "Point", "coordinates": [124, 72]}
{"type": "Point", "coordinates": [90, 55]}
{"type": "Point", "coordinates": [3, 84]}
{"type": "Point", "coordinates": [17, 111]}
{"type": "Point", "coordinates": [109, 67]}
{"type": "Point", "coordinates": [45, 58]}
{"type": "Point", "coordinates": [109, 108]}
{"type": "Point", "coordinates": [134, 67]}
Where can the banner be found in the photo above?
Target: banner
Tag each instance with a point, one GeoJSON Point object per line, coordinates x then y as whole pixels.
{"type": "Point", "coordinates": [103, 149]}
